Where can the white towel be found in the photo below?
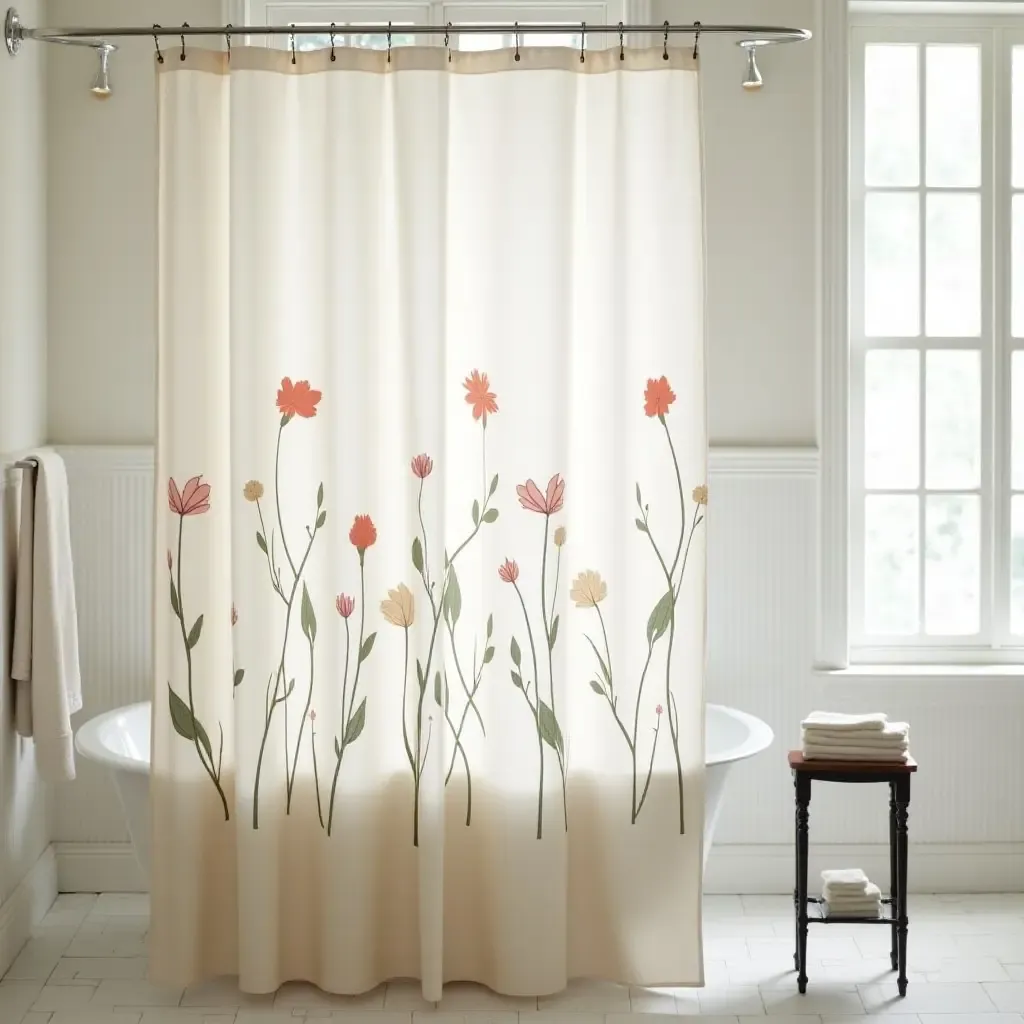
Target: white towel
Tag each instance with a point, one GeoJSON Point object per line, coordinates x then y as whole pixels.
{"type": "Point", "coordinates": [839, 722]}
{"type": "Point", "coordinates": [813, 743]}
{"type": "Point", "coordinates": [845, 878]}
{"type": "Point", "coordinates": [894, 732]}
{"type": "Point", "coordinates": [869, 894]}
{"type": "Point", "coordinates": [867, 910]}
{"type": "Point", "coordinates": [45, 655]}
{"type": "Point", "coordinates": [856, 754]}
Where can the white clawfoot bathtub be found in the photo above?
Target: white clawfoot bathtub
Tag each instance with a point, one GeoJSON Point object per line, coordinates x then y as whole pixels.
{"type": "Point", "coordinates": [119, 740]}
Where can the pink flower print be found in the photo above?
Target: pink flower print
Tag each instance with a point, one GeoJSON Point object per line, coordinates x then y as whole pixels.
{"type": "Point", "coordinates": [192, 500]}
{"type": "Point", "coordinates": [346, 605]}
{"type": "Point", "coordinates": [546, 504]}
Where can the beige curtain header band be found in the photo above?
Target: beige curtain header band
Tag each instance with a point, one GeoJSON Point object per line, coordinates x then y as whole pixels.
{"type": "Point", "coordinates": [427, 58]}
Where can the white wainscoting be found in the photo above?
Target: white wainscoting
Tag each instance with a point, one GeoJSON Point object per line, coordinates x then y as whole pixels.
{"type": "Point", "coordinates": [967, 813]}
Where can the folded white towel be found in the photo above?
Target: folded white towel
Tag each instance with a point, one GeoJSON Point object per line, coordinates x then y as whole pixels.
{"type": "Point", "coordinates": [845, 877]}
{"type": "Point", "coordinates": [899, 746]}
{"type": "Point", "coordinates": [894, 732]}
{"type": "Point", "coordinates": [868, 910]}
{"type": "Point", "coordinates": [857, 754]}
{"type": "Point", "coordinates": [869, 894]}
{"type": "Point", "coordinates": [836, 720]}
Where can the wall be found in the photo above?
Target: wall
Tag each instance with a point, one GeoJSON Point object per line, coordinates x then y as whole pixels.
{"type": "Point", "coordinates": [23, 801]}
{"type": "Point", "coordinates": [760, 184]}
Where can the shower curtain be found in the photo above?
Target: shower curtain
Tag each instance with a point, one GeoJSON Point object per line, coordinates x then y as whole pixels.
{"type": "Point", "coordinates": [430, 533]}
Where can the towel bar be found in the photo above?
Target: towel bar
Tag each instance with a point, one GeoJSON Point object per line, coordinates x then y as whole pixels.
{"type": "Point", "coordinates": [24, 465]}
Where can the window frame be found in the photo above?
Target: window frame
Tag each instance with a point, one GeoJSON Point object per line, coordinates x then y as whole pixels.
{"type": "Point", "coordinates": [996, 34]}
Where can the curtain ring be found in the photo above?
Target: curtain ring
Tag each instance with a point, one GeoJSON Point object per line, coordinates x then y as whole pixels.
{"type": "Point", "coordinates": [332, 41]}
{"type": "Point", "coordinates": [448, 40]}
{"type": "Point", "coordinates": [622, 46]}
{"type": "Point", "coordinates": [389, 42]}
{"type": "Point", "coordinates": [184, 24]}
{"type": "Point", "coordinates": [291, 37]}
{"type": "Point", "coordinates": [696, 40]}
{"type": "Point", "coordinates": [517, 40]}
{"type": "Point", "coordinates": [583, 42]}
{"type": "Point", "coordinates": [227, 38]}
{"type": "Point", "coordinates": [156, 43]}
{"type": "Point", "coordinates": [664, 49]}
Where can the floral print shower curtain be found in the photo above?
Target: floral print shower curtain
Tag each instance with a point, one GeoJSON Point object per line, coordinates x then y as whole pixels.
{"type": "Point", "coordinates": [429, 626]}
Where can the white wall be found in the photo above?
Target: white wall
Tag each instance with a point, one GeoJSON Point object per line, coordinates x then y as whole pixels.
{"type": "Point", "coordinates": [23, 801]}
{"type": "Point", "coordinates": [760, 182]}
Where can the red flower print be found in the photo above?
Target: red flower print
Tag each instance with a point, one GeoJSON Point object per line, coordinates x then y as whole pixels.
{"type": "Point", "coordinates": [479, 395]}
{"type": "Point", "coordinates": [659, 396]}
{"type": "Point", "coordinates": [234, 615]}
{"type": "Point", "coordinates": [422, 466]}
{"type": "Point", "coordinates": [297, 399]}
{"type": "Point", "coordinates": [658, 709]}
{"type": "Point", "coordinates": [509, 572]}
{"type": "Point", "coordinates": [312, 714]}
{"type": "Point", "coordinates": [547, 504]}
{"type": "Point", "coordinates": [346, 605]}
{"type": "Point", "coordinates": [193, 500]}
{"type": "Point", "coordinates": [363, 533]}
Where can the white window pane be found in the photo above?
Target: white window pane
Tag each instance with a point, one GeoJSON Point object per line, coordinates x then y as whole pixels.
{"type": "Point", "coordinates": [891, 115]}
{"type": "Point", "coordinates": [892, 287]}
{"type": "Point", "coordinates": [892, 423]}
{"type": "Point", "coordinates": [507, 40]}
{"type": "Point", "coordinates": [1017, 417]}
{"type": "Point", "coordinates": [952, 420]}
{"type": "Point", "coordinates": [953, 266]}
{"type": "Point", "coordinates": [1018, 117]}
{"type": "Point", "coordinates": [1017, 565]}
{"type": "Point", "coordinates": [485, 41]}
{"type": "Point", "coordinates": [343, 36]}
{"type": "Point", "coordinates": [953, 115]}
{"type": "Point", "coordinates": [952, 567]}
{"type": "Point", "coordinates": [891, 560]}
{"type": "Point", "coordinates": [1017, 267]}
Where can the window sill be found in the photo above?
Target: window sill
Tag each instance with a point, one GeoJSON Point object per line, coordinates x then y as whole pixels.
{"type": "Point", "coordinates": [961, 685]}
{"type": "Point", "coordinates": [926, 671]}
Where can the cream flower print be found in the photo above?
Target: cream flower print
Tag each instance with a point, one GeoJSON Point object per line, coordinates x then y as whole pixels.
{"type": "Point", "coordinates": [700, 494]}
{"type": "Point", "coordinates": [559, 536]}
{"type": "Point", "coordinates": [253, 490]}
{"type": "Point", "coordinates": [588, 589]}
{"type": "Point", "coordinates": [400, 608]}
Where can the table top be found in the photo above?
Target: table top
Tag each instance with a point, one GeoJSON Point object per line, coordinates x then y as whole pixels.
{"type": "Point", "coordinates": [799, 763]}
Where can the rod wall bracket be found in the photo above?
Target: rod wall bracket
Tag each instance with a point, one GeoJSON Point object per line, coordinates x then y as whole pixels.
{"type": "Point", "coordinates": [13, 33]}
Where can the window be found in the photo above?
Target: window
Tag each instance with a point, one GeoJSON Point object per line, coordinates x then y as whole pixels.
{"type": "Point", "coordinates": [936, 313]}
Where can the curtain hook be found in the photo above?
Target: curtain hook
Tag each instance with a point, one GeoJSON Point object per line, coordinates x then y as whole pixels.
{"type": "Point", "coordinates": [227, 38]}
{"type": "Point", "coordinates": [332, 40]}
{"type": "Point", "coordinates": [583, 42]}
{"type": "Point", "coordinates": [184, 24]}
{"type": "Point", "coordinates": [291, 38]}
{"type": "Point", "coordinates": [389, 42]}
{"type": "Point", "coordinates": [448, 40]}
{"type": "Point", "coordinates": [696, 40]}
{"type": "Point", "coordinates": [517, 40]}
{"type": "Point", "coordinates": [156, 43]}
{"type": "Point", "coordinates": [664, 49]}
{"type": "Point", "coordinates": [622, 45]}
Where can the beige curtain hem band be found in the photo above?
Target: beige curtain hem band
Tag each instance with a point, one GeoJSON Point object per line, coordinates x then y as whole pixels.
{"type": "Point", "coordinates": [427, 58]}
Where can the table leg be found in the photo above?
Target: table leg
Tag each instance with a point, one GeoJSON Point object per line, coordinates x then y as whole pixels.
{"type": "Point", "coordinates": [803, 799]}
{"type": "Point", "coordinates": [894, 885]}
{"type": "Point", "coordinates": [902, 803]}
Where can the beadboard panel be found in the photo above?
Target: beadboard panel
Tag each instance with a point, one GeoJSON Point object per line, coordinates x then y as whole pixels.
{"type": "Point", "coordinates": [967, 731]}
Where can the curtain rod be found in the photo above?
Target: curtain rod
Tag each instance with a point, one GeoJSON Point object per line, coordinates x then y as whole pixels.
{"type": "Point", "coordinates": [753, 35]}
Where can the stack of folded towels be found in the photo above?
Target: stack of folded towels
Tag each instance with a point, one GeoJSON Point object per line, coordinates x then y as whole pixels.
{"type": "Point", "coordinates": [849, 893]}
{"type": "Point", "coordinates": [832, 736]}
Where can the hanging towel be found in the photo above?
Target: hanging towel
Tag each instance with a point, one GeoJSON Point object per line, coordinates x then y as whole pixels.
{"type": "Point", "coordinates": [44, 660]}
{"type": "Point", "coordinates": [837, 721]}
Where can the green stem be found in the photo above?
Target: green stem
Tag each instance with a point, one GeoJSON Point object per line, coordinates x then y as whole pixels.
{"type": "Point", "coordinates": [426, 553]}
{"type": "Point", "coordinates": [277, 497]}
{"type": "Point", "coordinates": [682, 503]}
{"type": "Point", "coordinates": [650, 768]}
{"type": "Point", "coordinates": [551, 670]}
{"type": "Point", "coordinates": [462, 680]}
{"type": "Point", "coordinates": [554, 593]}
{"type": "Point", "coordinates": [536, 715]}
{"type": "Point", "coordinates": [636, 723]}
{"type": "Point", "coordinates": [344, 730]}
{"type": "Point", "coordinates": [405, 692]}
{"type": "Point", "coordinates": [274, 581]}
{"type": "Point", "coordinates": [302, 724]}
{"type": "Point", "coordinates": [316, 776]}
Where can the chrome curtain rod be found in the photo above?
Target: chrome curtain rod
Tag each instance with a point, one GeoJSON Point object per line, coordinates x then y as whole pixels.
{"type": "Point", "coordinates": [752, 35]}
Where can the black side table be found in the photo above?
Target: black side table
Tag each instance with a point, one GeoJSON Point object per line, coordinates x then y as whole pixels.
{"type": "Point", "coordinates": [813, 910]}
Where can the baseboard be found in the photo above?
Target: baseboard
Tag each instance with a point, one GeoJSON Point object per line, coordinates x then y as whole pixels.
{"type": "Point", "coordinates": [932, 867]}
{"type": "Point", "coordinates": [97, 867]}
{"type": "Point", "coordinates": [25, 907]}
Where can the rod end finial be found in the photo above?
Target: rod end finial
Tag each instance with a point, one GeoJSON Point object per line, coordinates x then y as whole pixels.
{"type": "Point", "coordinates": [13, 32]}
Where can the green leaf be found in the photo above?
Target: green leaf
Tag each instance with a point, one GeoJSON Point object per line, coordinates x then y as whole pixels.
{"type": "Point", "coordinates": [438, 691]}
{"type": "Point", "coordinates": [417, 554]}
{"type": "Point", "coordinates": [321, 519]}
{"type": "Point", "coordinates": [494, 485]}
{"type": "Point", "coordinates": [285, 418]}
{"type": "Point", "coordinates": [641, 525]}
{"type": "Point", "coordinates": [420, 680]}
{"type": "Point", "coordinates": [195, 632]}
{"type": "Point", "coordinates": [476, 513]}
{"type": "Point", "coordinates": [517, 655]}
{"type": "Point", "coordinates": [491, 515]}
{"type": "Point", "coordinates": [337, 748]}
{"type": "Point", "coordinates": [307, 615]}
{"type": "Point", "coordinates": [261, 541]}
{"type": "Point", "coordinates": [550, 733]}
{"type": "Point", "coordinates": [605, 670]}
{"type": "Point", "coordinates": [239, 673]}
{"type": "Point", "coordinates": [356, 723]}
{"type": "Point", "coordinates": [639, 500]}
{"type": "Point", "coordinates": [554, 634]}
{"type": "Point", "coordinates": [517, 679]}
{"type": "Point", "coordinates": [186, 724]}
{"type": "Point", "coordinates": [288, 689]}
{"type": "Point", "coordinates": [490, 626]}
{"type": "Point", "coordinates": [364, 651]}
{"type": "Point", "coordinates": [597, 687]}
{"type": "Point", "coordinates": [660, 617]}
{"type": "Point", "coordinates": [488, 655]}
{"type": "Point", "coordinates": [174, 600]}
{"type": "Point", "coordinates": [453, 597]}
{"type": "Point", "coordinates": [320, 496]}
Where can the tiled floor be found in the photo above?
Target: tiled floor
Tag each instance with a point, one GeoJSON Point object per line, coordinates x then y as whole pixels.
{"type": "Point", "coordinates": [87, 965]}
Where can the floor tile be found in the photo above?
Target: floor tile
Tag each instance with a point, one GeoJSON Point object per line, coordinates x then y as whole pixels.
{"type": "Point", "coordinates": [71, 968]}
{"type": "Point", "coordinates": [726, 999]}
{"type": "Point", "coordinates": [1015, 972]}
{"type": "Point", "coordinates": [37, 959]}
{"type": "Point", "coordinates": [461, 997]}
{"type": "Point", "coordinates": [560, 1017]}
{"type": "Point", "coordinates": [135, 992]}
{"type": "Point", "coordinates": [967, 998]}
{"type": "Point", "coordinates": [819, 999]}
{"type": "Point", "coordinates": [1007, 995]}
{"type": "Point", "coordinates": [469, 1017]}
{"type": "Point", "coordinates": [406, 995]}
{"type": "Point", "coordinates": [586, 996]}
{"type": "Point", "coordinates": [120, 904]}
{"type": "Point", "coordinates": [651, 1001]}
{"type": "Point", "coordinates": [36, 1017]}
{"type": "Point", "coordinates": [88, 1016]}
{"type": "Point", "coordinates": [970, 1018]}
{"type": "Point", "coordinates": [965, 968]}
{"type": "Point", "coordinates": [64, 997]}
{"type": "Point", "coordinates": [301, 994]}
{"type": "Point", "coordinates": [224, 992]}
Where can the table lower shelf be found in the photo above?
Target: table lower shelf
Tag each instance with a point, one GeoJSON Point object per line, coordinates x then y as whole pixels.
{"type": "Point", "coordinates": [817, 913]}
